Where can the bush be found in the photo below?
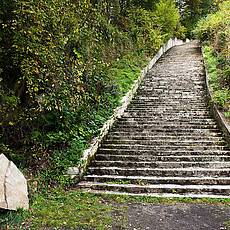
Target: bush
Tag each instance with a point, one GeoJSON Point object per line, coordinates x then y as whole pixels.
{"type": "Point", "coordinates": [214, 30]}
{"type": "Point", "coordinates": [64, 67]}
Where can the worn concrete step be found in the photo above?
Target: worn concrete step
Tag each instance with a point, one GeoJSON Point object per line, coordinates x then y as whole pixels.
{"type": "Point", "coordinates": [122, 136]}
{"type": "Point", "coordinates": [169, 95]}
{"type": "Point", "coordinates": [188, 157]}
{"type": "Point", "coordinates": [167, 106]}
{"type": "Point", "coordinates": [166, 172]}
{"type": "Point", "coordinates": [164, 147]}
{"type": "Point", "coordinates": [159, 195]}
{"type": "Point", "coordinates": [166, 122]}
{"type": "Point", "coordinates": [159, 101]}
{"type": "Point", "coordinates": [173, 113]}
{"type": "Point", "coordinates": [177, 133]}
{"type": "Point", "coordinates": [164, 152]}
{"type": "Point", "coordinates": [164, 109]}
{"type": "Point", "coordinates": [171, 91]}
{"type": "Point", "coordinates": [166, 98]}
{"type": "Point", "coordinates": [162, 119]}
{"type": "Point", "coordinates": [166, 125]}
{"type": "Point", "coordinates": [163, 116]}
{"type": "Point", "coordinates": [142, 180]}
{"type": "Point", "coordinates": [166, 131]}
{"type": "Point", "coordinates": [167, 89]}
{"type": "Point", "coordinates": [160, 188]}
{"type": "Point", "coordinates": [168, 101]}
{"type": "Point", "coordinates": [168, 142]}
{"type": "Point", "coordinates": [161, 164]}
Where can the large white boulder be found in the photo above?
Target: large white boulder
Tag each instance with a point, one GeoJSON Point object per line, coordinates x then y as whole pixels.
{"type": "Point", "coordinates": [13, 186]}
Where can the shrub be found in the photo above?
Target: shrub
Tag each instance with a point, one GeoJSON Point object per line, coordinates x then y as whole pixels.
{"type": "Point", "coordinates": [214, 30]}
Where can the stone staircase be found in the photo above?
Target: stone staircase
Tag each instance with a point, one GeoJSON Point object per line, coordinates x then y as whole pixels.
{"type": "Point", "coordinates": [166, 143]}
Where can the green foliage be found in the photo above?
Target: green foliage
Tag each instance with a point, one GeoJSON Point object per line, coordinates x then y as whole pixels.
{"type": "Point", "coordinates": [167, 15]}
{"type": "Point", "coordinates": [214, 30]}
{"type": "Point", "coordinates": [222, 97]}
{"type": "Point", "coordinates": [64, 67]}
{"type": "Point", "coordinates": [221, 92]}
{"type": "Point", "coordinates": [212, 63]}
{"type": "Point", "coordinates": [193, 10]}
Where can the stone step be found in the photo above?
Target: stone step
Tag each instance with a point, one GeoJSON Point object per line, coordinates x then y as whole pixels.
{"type": "Point", "coordinates": [167, 86]}
{"type": "Point", "coordinates": [168, 95]}
{"type": "Point", "coordinates": [164, 109]}
{"type": "Point", "coordinates": [173, 104]}
{"type": "Point", "coordinates": [173, 90]}
{"type": "Point", "coordinates": [164, 116]}
{"type": "Point", "coordinates": [142, 180]}
{"type": "Point", "coordinates": [166, 130]}
{"type": "Point", "coordinates": [122, 136]}
{"type": "Point", "coordinates": [167, 122]}
{"type": "Point", "coordinates": [163, 126]}
{"type": "Point", "coordinates": [207, 157]}
{"type": "Point", "coordinates": [161, 164]}
{"type": "Point", "coordinates": [168, 101]}
{"type": "Point", "coordinates": [159, 195]}
{"type": "Point", "coordinates": [167, 151]}
{"type": "Point", "coordinates": [173, 113]}
{"type": "Point", "coordinates": [166, 98]}
{"type": "Point", "coordinates": [159, 188]}
{"type": "Point", "coordinates": [163, 119]}
{"type": "Point", "coordinates": [159, 101]}
{"type": "Point", "coordinates": [164, 142]}
{"type": "Point", "coordinates": [204, 133]}
{"type": "Point", "coordinates": [166, 172]}
{"type": "Point", "coordinates": [168, 105]}
{"type": "Point", "coordinates": [164, 147]}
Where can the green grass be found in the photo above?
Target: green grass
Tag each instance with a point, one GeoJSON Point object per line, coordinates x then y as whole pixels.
{"type": "Point", "coordinates": [221, 95]}
{"type": "Point", "coordinates": [57, 209]}
{"type": "Point", "coordinates": [61, 209]}
{"type": "Point", "coordinates": [72, 210]}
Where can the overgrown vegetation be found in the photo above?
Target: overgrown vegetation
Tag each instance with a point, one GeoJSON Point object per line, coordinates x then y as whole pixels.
{"type": "Point", "coordinates": [193, 10]}
{"type": "Point", "coordinates": [214, 31]}
{"type": "Point", "coordinates": [64, 67]}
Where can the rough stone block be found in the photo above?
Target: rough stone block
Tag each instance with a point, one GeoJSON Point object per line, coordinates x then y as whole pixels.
{"type": "Point", "coordinates": [13, 186]}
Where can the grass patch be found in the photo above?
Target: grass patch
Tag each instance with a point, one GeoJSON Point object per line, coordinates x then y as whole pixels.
{"type": "Point", "coordinates": [221, 93]}
{"type": "Point", "coordinates": [81, 210]}
{"type": "Point", "coordinates": [61, 209]}
{"type": "Point", "coordinates": [71, 210]}
{"type": "Point", "coordinates": [13, 219]}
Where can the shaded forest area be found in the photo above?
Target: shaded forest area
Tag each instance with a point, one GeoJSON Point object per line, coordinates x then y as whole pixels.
{"type": "Point", "coordinates": [64, 65]}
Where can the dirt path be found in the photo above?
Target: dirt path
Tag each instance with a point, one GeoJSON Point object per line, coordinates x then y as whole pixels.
{"type": "Point", "coordinates": [137, 216]}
